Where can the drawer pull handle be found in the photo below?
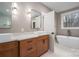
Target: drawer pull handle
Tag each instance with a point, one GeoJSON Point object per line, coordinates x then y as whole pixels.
{"type": "Point", "coordinates": [29, 48]}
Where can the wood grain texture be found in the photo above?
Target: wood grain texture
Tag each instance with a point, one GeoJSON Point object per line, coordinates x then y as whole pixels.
{"type": "Point", "coordinates": [9, 49]}
{"type": "Point", "coordinates": [42, 46]}
{"type": "Point", "coordinates": [28, 48]}
{"type": "Point", "coordinates": [34, 47]}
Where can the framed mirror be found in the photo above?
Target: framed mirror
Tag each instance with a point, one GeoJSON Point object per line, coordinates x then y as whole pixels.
{"type": "Point", "coordinates": [36, 19]}
{"type": "Point", "coordinates": [5, 15]}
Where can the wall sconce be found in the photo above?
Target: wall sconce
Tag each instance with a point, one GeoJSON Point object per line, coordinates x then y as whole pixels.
{"type": "Point", "coordinates": [14, 5]}
{"type": "Point", "coordinates": [14, 8]}
{"type": "Point", "coordinates": [14, 11]}
{"type": "Point", "coordinates": [28, 13]}
{"type": "Point", "coordinates": [29, 10]}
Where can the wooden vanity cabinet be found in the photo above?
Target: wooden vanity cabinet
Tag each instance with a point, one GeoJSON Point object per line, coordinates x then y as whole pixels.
{"type": "Point", "coordinates": [25, 48]}
{"type": "Point", "coordinates": [9, 49]}
{"type": "Point", "coordinates": [28, 47]}
{"type": "Point", "coordinates": [33, 47]}
{"type": "Point", "coordinates": [42, 45]}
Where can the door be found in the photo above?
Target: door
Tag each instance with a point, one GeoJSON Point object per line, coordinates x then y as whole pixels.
{"type": "Point", "coordinates": [49, 22]}
{"type": "Point", "coordinates": [49, 26]}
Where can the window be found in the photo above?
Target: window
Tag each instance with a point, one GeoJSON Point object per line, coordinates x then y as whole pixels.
{"type": "Point", "coordinates": [70, 20]}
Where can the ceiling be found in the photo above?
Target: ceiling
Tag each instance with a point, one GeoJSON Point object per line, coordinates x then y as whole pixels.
{"type": "Point", "coordinates": [57, 6]}
{"type": "Point", "coordinates": [61, 6]}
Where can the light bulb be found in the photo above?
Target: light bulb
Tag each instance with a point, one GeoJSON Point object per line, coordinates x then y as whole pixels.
{"type": "Point", "coordinates": [14, 11]}
{"type": "Point", "coordinates": [29, 10]}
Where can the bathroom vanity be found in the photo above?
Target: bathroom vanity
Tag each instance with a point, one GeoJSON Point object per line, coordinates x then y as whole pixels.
{"type": "Point", "coordinates": [33, 46]}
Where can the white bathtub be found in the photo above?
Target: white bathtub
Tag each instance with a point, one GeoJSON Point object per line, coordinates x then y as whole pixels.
{"type": "Point", "coordinates": [68, 41]}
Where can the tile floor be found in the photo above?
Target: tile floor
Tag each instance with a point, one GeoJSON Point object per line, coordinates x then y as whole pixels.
{"type": "Point", "coordinates": [61, 51]}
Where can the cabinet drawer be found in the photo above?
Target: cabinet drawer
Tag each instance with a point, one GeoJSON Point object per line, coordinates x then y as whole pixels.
{"type": "Point", "coordinates": [44, 37]}
{"type": "Point", "coordinates": [26, 52]}
{"type": "Point", "coordinates": [28, 43]}
{"type": "Point", "coordinates": [27, 47]}
{"type": "Point", "coordinates": [9, 49]}
{"type": "Point", "coordinates": [8, 45]}
{"type": "Point", "coordinates": [32, 53]}
{"type": "Point", "coordinates": [9, 52]}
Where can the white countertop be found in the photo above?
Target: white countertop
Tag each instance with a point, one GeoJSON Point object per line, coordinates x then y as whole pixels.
{"type": "Point", "coordinates": [7, 37]}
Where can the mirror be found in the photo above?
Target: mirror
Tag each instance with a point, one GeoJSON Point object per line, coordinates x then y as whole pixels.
{"type": "Point", "coordinates": [36, 19]}
{"type": "Point", "coordinates": [5, 15]}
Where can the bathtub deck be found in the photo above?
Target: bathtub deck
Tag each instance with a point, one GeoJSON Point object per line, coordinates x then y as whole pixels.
{"type": "Point", "coordinates": [61, 51]}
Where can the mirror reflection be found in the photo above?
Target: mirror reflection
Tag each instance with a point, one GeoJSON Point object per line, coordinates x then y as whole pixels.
{"type": "Point", "coordinates": [35, 16]}
{"type": "Point", "coordinates": [5, 15]}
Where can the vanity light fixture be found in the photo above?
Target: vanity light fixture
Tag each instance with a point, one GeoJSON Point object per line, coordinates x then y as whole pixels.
{"type": "Point", "coordinates": [29, 10]}
{"type": "Point", "coordinates": [14, 11]}
{"type": "Point", "coordinates": [14, 5]}
{"type": "Point", "coordinates": [14, 8]}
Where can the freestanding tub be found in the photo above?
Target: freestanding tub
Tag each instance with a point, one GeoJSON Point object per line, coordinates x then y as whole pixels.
{"type": "Point", "coordinates": [68, 41]}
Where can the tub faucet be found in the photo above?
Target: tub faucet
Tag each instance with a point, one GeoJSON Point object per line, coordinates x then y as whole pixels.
{"type": "Point", "coordinates": [69, 32]}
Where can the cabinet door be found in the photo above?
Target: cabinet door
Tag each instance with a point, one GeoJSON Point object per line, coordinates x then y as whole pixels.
{"type": "Point", "coordinates": [9, 49]}
{"type": "Point", "coordinates": [39, 47]}
{"type": "Point", "coordinates": [42, 45]}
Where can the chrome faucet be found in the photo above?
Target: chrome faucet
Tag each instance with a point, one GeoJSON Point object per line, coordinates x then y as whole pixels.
{"type": "Point", "coordinates": [69, 32]}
